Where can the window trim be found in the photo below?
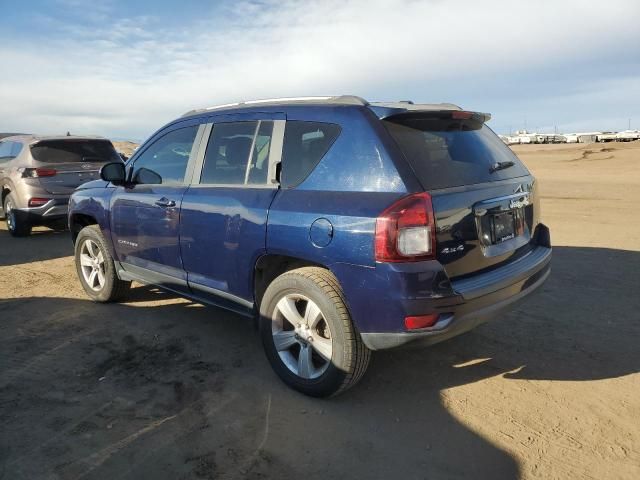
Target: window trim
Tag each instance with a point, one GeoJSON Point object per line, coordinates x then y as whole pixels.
{"type": "Point", "coordinates": [253, 145]}
{"type": "Point", "coordinates": [275, 154]}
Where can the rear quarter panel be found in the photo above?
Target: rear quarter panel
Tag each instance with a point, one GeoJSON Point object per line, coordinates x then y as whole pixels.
{"type": "Point", "coordinates": [352, 184]}
{"type": "Point", "coordinates": [358, 178]}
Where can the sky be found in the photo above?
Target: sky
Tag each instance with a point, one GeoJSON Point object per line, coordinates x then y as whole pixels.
{"type": "Point", "coordinates": [123, 69]}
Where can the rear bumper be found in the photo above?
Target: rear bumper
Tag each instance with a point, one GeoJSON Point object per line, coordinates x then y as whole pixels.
{"type": "Point", "coordinates": [464, 317]}
{"type": "Point", "coordinates": [54, 209]}
{"type": "Point", "coordinates": [462, 304]}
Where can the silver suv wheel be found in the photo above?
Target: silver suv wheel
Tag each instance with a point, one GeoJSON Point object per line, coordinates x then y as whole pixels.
{"type": "Point", "coordinates": [10, 216]}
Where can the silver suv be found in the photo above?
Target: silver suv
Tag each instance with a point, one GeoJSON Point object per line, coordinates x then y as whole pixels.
{"type": "Point", "coordinates": [38, 174]}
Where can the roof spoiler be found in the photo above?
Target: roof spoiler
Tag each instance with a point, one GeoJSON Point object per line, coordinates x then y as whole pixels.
{"type": "Point", "coordinates": [454, 114]}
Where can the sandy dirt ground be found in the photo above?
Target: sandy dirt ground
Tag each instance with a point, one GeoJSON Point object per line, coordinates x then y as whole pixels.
{"type": "Point", "coordinates": [160, 387]}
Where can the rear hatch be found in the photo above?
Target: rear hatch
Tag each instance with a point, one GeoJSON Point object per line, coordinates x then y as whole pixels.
{"type": "Point", "coordinates": [64, 164]}
{"type": "Point", "coordinates": [483, 197]}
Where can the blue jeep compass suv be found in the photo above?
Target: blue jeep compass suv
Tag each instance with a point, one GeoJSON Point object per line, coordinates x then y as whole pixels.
{"type": "Point", "coordinates": [343, 226]}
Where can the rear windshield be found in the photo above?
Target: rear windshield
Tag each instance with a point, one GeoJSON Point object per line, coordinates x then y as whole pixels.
{"type": "Point", "coordinates": [62, 151]}
{"type": "Point", "coordinates": [449, 153]}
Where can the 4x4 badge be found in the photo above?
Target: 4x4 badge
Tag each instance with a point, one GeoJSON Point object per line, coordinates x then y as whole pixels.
{"type": "Point", "coordinates": [447, 250]}
{"type": "Point", "coordinates": [521, 202]}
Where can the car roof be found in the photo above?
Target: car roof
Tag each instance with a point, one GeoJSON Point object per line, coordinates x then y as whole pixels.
{"type": "Point", "coordinates": [381, 109]}
{"type": "Point", "coordinates": [31, 138]}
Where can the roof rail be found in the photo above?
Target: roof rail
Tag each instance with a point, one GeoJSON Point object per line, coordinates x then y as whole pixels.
{"type": "Point", "coordinates": [335, 99]}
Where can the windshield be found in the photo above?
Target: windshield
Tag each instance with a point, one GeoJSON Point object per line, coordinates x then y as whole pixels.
{"type": "Point", "coordinates": [449, 153]}
{"type": "Point", "coordinates": [64, 151]}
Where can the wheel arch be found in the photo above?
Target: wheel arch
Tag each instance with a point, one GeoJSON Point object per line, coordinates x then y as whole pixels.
{"type": "Point", "coordinates": [77, 221]}
{"type": "Point", "coordinates": [270, 266]}
{"type": "Point", "coordinates": [4, 191]}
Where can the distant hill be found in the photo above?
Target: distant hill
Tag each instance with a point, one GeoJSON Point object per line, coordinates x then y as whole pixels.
{"type": "Point", "coordinates": [125, 147]}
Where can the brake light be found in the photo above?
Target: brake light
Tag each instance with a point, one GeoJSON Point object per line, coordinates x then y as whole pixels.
{"type": "Point", "coordinates": [421, 321]}
{"type": "Point", "coordinates": [45, 172]}
{"type": "Point", "coordinates": [37, 202]}
{"type": "Point", "coordinates": [405, 232]}
{"type": "Point", "coordinates": [37, 172]}
{"type": "Point", "coordinates": [461, 115]}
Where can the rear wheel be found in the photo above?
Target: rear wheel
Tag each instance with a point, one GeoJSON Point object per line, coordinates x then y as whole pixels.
{"type": "Point", "coordinates": [96, 268]}
{"type": "Point", "coordinates": [17, 226]}
{"type": "Point", "coordinates": [308, 335]}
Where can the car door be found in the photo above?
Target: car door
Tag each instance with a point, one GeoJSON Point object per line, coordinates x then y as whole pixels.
{"type": "Point", "coordinates": [145, 213]}
{"type": "Point", "coordinates": [224, 212]}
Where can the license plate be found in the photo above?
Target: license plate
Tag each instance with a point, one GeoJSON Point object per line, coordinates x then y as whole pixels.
{"type": "Point", "coordinates": [503, 227]}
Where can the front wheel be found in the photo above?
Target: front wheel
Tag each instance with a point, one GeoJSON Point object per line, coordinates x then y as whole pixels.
{"type": "Point", "coordinates": [96, 268]}
{"type": "Point", "coordinates": [308, 335]}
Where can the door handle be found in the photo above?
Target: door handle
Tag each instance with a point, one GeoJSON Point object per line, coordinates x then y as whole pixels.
{"type": "Point", "coordinates": [165, 202]}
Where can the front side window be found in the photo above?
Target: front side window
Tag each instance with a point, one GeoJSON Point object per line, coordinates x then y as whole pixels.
{"type": "Point", "coordinates": [165, 161]}
{"type": "Point", "coordinates": [305, 143]}
{"type": "Point", "coordinates": [238, 153]}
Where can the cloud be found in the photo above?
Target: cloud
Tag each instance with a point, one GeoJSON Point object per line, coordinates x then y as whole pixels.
{"type": "Point", "coordinates": [127, 75]}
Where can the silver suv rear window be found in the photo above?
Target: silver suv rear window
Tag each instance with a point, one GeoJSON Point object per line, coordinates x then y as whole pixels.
{"type": "Point", "coordinates": [65, 151]}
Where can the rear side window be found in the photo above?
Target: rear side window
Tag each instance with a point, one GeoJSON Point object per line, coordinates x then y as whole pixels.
{"type": "Point", "coordinates": [9, 150]}
{"type": "Point", "coordinates": [448, 153]}
{"type": "Point", "coordinates": [238, 153]}
{"type": "Point", "coordinates": [5, 151]}
{"type": "Point", "coordinates": [16, 148]}
{"type": "Point", "coordinates": [305, 143]}
{"type": "Point", "coordinates": [64, 151]}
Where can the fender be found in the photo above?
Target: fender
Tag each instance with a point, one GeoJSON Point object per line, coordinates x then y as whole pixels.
{"type": "Point", "coordinates": [93, 203]}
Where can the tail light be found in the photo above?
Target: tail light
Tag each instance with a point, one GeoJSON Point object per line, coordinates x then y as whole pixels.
{"type": "Point", "coordinates": [38, 202]}
{"type": "Point", "coordinates": [37, 172]}
{"type": "Point", "coordinates": [405, 232]}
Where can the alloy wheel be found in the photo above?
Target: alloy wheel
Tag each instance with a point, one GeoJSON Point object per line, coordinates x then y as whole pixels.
{"type": "Point", "coordinates": [9, 215]}
{"type": "Point", "coordinates": [92, 265]}
{"type": "Point", "coordinates": [301, 336]}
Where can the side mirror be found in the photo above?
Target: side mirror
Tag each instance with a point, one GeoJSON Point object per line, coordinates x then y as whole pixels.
{"type": "Point", "coordinates": [146, 177]}
{"type": "Point", "coordinates": [114, 172]}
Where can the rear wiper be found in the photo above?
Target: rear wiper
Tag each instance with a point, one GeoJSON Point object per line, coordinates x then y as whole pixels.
{"type": "Point", "coordinates": [501, 166]}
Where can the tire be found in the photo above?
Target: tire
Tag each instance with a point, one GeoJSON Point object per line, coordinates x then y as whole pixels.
{"type": "Point", "coordinates": [16, 226]}
{"type": "Point", "coordinates": [301, 357]}
{"type": "Point", "coordinates": [98, 274]}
